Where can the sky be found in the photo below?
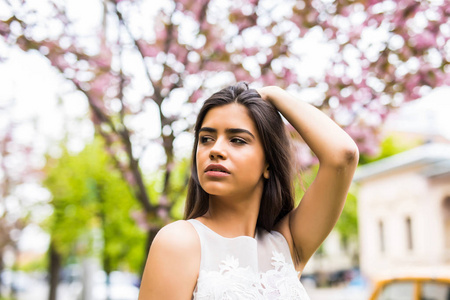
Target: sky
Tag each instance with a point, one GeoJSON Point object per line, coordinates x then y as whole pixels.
{"type": "Point", "coordinates": [428, 115]}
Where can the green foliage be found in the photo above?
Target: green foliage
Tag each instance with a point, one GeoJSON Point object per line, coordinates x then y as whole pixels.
{"type": "Point", "coordinates": [36, 265]}
{"type": "Point", "coordinates": [347, 225]}
{"type": "Point", "coordinates": [179, 177]}
{"type": "Point", "coordinates": [303, 180]}
{"type": "Point", "coordinates": [178, 193]}
{"type": "Point", "coordinates": [92, 209]}
{"type": "Point", "coordinates": [391, 145]}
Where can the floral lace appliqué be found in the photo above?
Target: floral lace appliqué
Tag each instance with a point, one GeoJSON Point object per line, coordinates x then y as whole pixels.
{"type": "Point", "coordinates": [233, 282]}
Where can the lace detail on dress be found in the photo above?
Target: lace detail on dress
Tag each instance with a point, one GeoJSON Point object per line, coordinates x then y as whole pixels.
{"type": "Point", "coordinates": [233, 282]}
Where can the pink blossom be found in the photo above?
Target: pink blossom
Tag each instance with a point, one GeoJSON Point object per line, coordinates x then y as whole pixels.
{"type": "Point", "coordinates": [250, 51]}
{"type": "Point", "coordinates": [216, 65]}
{"type": "Point", "coordinates": [185, 3]}
{"type": "Point", "coordinates": [412, 82]}
{"type": "Point", "coordinates": [214, 57]}
{"type": "Point", "coordinates": [163, 200]}
{"type": "Point", "coordinates": [179, 51]}
{"type": "Point", "coordinates": [269, 78]}
{"type": "Point", "coordinates": [58, 61]}
{"type": "Point", "coordinates": [289, 77]}
{"type": "Point", "coordinates": [346, 11]}
{"type": "Point", "coordinates": [424, 41]}
{"type": "Point", "coordinates": [197, 94]}
{"type": "Point", "coordinates": [100, 83]}
{"type": "Point", "coordinates": [148, 50]}
{"type": "Point", "coordinates": [103, 60]}
{"type": "Point", "coordinates": [194, 7]}
{"type": "Point", "coordinates": [365, 137]}
{"type": "Point", "coordinates": [140, 218]}
{"type": "Point", "coordinates": [161, 34]}
{"type": "Point", "coordinates": [219, 47]}
{"type": "Point", "coordinates": [4, 29]}
{"type": "Point", "coordinates": [242, 75]}
{"type": "Point", "coordinates": [162, 213]}
{"type": "Point", "coordinates": [192, 68]}
{"type": "Point", "coordinates": [302, 154]}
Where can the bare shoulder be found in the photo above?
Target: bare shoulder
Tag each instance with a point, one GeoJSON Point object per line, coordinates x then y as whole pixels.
{"type": "Point", "coordinates": [180, 234]}
{"type": "Point", "coordinates": [173, 263]}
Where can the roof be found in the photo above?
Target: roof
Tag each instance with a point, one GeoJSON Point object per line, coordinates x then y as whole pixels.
{"type": "Point", "coordinates": [435, 158]}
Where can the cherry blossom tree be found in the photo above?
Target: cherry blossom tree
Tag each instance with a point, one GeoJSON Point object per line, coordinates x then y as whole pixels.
{"type": "Point", "coordinates": [17, 174]}
{"type": "Point", "coordinates": [356, 60]}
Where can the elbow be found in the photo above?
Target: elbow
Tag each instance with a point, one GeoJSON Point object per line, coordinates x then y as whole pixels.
{"type": "Point", "coordinates": [351, 155]}
{"type": "Point", "coordinates": [346, 157]}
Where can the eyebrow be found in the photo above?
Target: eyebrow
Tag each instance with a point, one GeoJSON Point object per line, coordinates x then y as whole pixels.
{"type": "Point", "coordinates": [228, 130]}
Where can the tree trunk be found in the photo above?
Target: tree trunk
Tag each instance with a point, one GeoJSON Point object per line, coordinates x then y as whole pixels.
{"type": "Point", "coordinates": [1, 271]}
{"type": "Point", "coordinates": [108, 286]}
{"type": "Point", "coordinates": [54, 268]}
{"type": "Point", "coordinates": [14, 267]}
{"type": "Point", "coordinates": [106, 258]}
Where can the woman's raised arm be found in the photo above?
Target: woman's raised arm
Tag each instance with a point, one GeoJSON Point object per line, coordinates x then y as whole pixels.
{"type": "Point", "coordinates": [307, 226]}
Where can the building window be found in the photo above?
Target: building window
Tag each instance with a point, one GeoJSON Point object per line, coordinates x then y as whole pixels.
{"type": "Point", "coordinates": [409, 235]}
{"type": "Point", "coordinates": [446, 211]}
{"type": "Point", "coordinates": [381, 234]}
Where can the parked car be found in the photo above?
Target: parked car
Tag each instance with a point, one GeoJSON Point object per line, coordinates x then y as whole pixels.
{"type": "Point", "coordinates": [412, 288]}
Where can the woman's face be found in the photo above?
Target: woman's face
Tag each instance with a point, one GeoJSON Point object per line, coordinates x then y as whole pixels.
{"type": "Point", "coordinates": [230, 156]}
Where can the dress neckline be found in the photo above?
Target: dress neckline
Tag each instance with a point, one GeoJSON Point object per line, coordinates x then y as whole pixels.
{"type": "Point", "coordinates": [227, 238]}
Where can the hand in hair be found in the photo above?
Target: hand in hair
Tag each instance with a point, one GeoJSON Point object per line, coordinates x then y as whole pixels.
{"type": "Point", "coordinates": [307, 226]}
{"type": "Point", "coordinates": [264, 92]}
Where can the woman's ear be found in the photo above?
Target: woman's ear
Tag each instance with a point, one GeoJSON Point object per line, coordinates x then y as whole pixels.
{"type": "Point", "coordinates": [266, 172]}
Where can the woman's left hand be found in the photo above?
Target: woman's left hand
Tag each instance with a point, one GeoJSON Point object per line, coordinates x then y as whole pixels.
{"type": "Point", "coordinates": [266, 91]}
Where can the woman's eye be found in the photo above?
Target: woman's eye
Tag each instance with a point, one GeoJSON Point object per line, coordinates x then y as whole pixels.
{"type": "Point", "coordinates": [205, 139]}
{"type": "Point", "coordinates": [238, 141]}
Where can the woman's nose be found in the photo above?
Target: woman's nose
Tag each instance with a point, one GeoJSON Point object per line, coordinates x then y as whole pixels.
{"type": "Point", "coordinates": [218, 151]}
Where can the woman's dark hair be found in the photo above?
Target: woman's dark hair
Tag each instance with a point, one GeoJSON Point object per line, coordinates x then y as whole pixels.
{"type": "Point", "coordinates": [277, 199]}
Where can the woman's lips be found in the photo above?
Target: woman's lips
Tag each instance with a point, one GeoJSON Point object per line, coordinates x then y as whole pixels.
{"type": "Point", "coordinates": [216, 170]}
{"type": "Point", "coordinates": [217, 174]}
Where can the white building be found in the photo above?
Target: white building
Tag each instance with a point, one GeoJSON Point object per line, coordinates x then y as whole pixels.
{"type": "Point", "coordinates": [404, 200]}
{"type": "Point", "coordinates": [404, 213]}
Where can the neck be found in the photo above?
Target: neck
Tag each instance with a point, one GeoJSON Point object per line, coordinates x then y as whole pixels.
{"type": "Point", "coordinates": [232, 217]}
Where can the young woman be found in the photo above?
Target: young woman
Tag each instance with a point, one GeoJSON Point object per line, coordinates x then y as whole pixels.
{"type": "Point", "coordinates": [243, 239]}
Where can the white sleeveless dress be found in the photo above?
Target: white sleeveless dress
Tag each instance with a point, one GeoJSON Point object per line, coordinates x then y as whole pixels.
{"type": "Point", "coordinates": [246, 268]}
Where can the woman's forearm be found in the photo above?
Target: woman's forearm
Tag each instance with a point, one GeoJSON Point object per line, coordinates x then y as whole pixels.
{"type": "Point", "coordinates": [327, 140]}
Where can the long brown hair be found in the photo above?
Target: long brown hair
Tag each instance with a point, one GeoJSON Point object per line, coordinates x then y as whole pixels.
{"type": "Point", "coordinates": [277, 199]}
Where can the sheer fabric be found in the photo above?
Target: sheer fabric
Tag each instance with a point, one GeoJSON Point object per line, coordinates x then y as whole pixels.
{"type": "Point", "coordinates": [245, 267]}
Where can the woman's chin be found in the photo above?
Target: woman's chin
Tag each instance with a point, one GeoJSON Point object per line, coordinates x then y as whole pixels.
{"type": "Point", "coordinates": [213, 188]}
{"type": "Point", "coordinates": [216, 190]}
{"type": "Point", "coordinates": [217, 193]}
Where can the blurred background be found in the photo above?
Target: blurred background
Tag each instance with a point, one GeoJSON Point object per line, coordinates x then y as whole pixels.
{"type": "Point", "coordinates": [98, 100]}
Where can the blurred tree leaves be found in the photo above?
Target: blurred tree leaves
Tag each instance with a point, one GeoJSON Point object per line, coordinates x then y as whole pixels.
{"type": "Point", "coordinates": [392, 144]}
{"type": "Point", "coordinates": [347, 225]}
{"type": "Point", "coordinates": [93, 208]}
